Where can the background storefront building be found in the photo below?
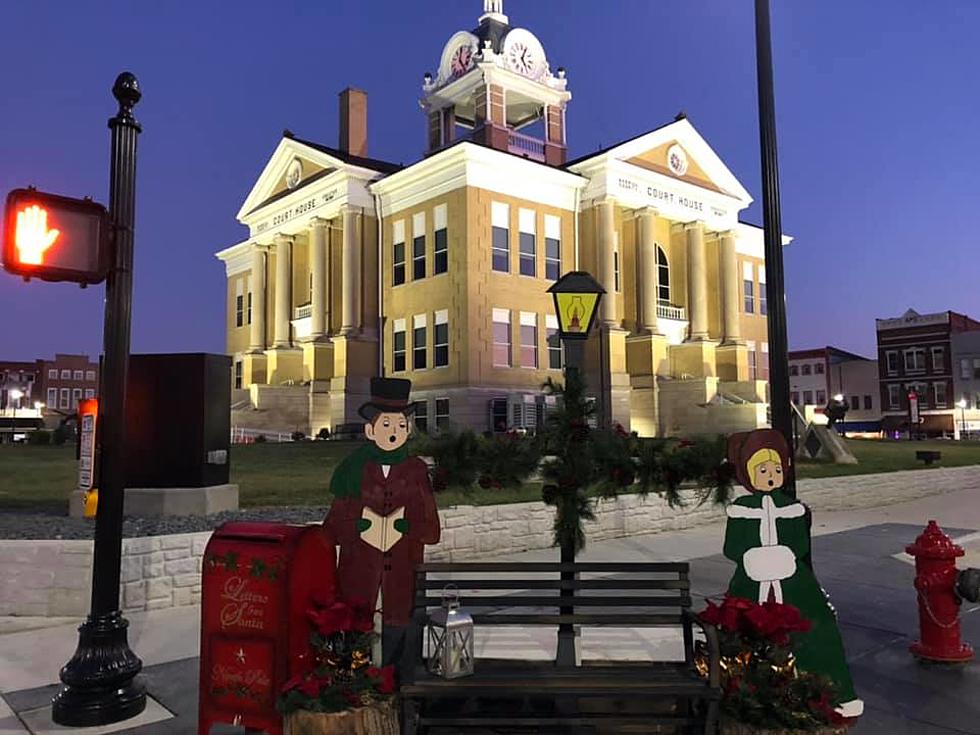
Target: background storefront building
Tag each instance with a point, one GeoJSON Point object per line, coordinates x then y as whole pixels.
{"type": "Point", "coordinates": [816, 376]}
{"type": "Point", "coordinates": [438, 271]}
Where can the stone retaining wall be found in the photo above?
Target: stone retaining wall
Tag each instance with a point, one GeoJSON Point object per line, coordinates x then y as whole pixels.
{"type": "Point", "coordinates": [53, 578]}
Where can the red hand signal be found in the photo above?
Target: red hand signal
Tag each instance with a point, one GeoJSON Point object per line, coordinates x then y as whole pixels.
{"type": "Point", "coordinates": [32, 236]}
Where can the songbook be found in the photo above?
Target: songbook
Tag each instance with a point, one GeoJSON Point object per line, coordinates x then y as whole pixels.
{"type": "Point", "coordinates": [382, 534]}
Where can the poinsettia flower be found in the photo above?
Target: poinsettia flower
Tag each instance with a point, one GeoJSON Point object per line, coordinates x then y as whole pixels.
{"type": "Point", "coordinates": [372, 672]}
{"type": "Point", "coordinates": [334, 619]}
{"type": "Point", "coordinates": [352, 698]}
{"type": "Point", "coordinates": [293, 683]}
{"type": "Point", "coordinates": [310, 687]}
{"type": "Point", "coordinates": [386, 683]}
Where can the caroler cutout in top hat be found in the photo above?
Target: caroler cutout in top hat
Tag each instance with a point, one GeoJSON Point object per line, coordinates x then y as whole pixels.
{"type": "Point", "coordinates": [388, 395]}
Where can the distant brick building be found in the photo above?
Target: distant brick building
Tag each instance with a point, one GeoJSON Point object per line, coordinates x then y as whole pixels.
{"type": "Point", "coordinates": [817, 375]}
{"type": "Point", "coordinates": [21, 377]}
{"type": "Point", "coordinates": [66, 380]}
{"type": "Point", "coordinates": [915, 353]}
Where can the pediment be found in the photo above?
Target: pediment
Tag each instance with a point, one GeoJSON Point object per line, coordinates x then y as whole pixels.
{"type": "Point", "coordinates": [694, 160]}
{"type": "Point", "coordinates": [292, 166]}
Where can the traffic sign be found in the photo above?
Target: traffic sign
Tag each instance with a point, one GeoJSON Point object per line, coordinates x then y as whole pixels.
{"type": "Point", "coordinates": [56, 238]}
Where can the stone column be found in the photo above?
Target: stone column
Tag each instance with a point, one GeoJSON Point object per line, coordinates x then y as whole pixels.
{"type": "Point", "coordinates": [731, 333]}
{"type": "Point", "coordinates": [319, 298]}
{"type": "Point", "coordinates": [647, 280]}
{"type": "Point", "coordinates": [606, 245]}
{"type": "Point", "coordinates": [257, 336]}
{"type": "Point", "coordinates": [352, 271]}
{"type": "Point", "coordinates": [697, 286]}
{"type": "Point", "coordinates": [284, 291]}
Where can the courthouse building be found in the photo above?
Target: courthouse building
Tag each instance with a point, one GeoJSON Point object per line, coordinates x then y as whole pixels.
{"type": "Point", "coordinates": [438, 271]}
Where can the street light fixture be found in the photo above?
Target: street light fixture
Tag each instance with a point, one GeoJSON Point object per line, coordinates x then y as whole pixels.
{"type": "Point", "coordinates": [15, 395]}
{"type": "Point", "coordinates": [839, 397]}
{"type": "Point", "coordinates": [962, 404]}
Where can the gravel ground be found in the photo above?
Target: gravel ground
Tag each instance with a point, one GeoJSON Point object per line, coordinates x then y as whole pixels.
{"type": "Point", "coordinates": [21, 525]}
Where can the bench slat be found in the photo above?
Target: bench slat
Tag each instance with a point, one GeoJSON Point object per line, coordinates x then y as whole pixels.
{"type": "Point", "coordinates": [546, 584]}
{"type": "Point", "coordinates": [527, 567]}
{"type": "Point", "coordinates": [475, 601]}
{"type": "Point", "coordinates": [612, 619]}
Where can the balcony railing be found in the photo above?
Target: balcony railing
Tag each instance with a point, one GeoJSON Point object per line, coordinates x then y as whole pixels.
{"type": "Point", "coordinates": [525, 145]}
{"type": "Point", "coordinates": [303, 312]}
{"type": "Point", "coordinates": [666, 311]}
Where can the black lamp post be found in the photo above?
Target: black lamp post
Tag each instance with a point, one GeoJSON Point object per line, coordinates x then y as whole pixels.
{"type": "Point", "coordinates": [577, 295]}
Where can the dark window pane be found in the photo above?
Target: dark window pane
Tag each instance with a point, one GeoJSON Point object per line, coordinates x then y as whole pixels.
{"type": "Point", "coordinates": [442, 334]}
{"type": "Point", "coordinates": [441, 262]}
{"type": "Point", "coordinates": [418, 258]}
{"type": "Point", "coordinates": [527, 266]}
{"type": "Point", "coordinates": [418, 348]}
{"type": "Point", "coordinates": [501, 261]}
{"type": "Point", "coordinates": [399, 275]}
{"type": "Point", "coordinates": [442, 355]}
{"type": "Point", "coordinates": [442, 252]}
{"type": "Point", "coordinates": [501, 249]}
{"type": "Point", "coordinates": [399, 362]}
{"type": "Point", "coordinates": [399, 252]}
{"type": "Point", "coordinates": [552, 270]}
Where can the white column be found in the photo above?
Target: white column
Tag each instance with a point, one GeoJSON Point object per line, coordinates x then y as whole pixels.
{"type": "Point", "coordinates": [352, 272]}
{"type": "Point", "coordinates": [646, 275]}
{"type": "Point", "coordinates": [606, 245]}
{"type": "Point", "coordinates": [257, 287]}
{"type": "Point", "coordinates": [284, 291]}
{"type": "Point", "coordinates": [319, 298]}
{"type": "Point", "coordinates": [697, 286]}
{"type": "Point", "coordinates": [731, 332]}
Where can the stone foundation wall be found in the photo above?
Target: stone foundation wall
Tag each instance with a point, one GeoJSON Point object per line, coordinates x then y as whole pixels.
{"type": "Point", "coordinates": [53, 578]}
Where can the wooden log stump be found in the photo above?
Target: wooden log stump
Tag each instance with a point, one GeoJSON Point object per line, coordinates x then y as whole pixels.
{"type": "Point", "coordinates": [375, 719]}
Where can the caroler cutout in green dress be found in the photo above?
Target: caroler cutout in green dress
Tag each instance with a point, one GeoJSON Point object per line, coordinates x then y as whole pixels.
{"type": "Point", "coordinates": [767, 538]}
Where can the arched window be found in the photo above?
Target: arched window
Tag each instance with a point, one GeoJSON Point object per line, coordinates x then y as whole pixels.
{"type": "Point", "coordinates": [663, 277]}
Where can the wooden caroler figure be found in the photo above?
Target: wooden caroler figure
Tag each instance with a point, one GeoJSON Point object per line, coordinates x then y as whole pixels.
{"type": "Point", "coordinates": [768, 539]}
{"type": "Point", "coordinates": [383, 513]}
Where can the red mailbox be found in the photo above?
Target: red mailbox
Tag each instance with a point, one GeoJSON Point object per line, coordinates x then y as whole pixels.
{"type": "Point", "coordinates": [257, 582]}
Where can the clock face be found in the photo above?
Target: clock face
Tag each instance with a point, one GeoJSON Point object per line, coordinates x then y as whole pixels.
{"type": "Point", "coordinates": [294, 173]}
{"type": "Point", "coordinates": [677, 160]}
{"type": "Point", "coordinates": [522, 58]}
{"type": "Point", "coordinates": [462, 60]}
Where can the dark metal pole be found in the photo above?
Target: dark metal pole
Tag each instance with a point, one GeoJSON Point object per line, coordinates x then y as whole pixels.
{"type": "Point", "coordinates": [100, 685]}
{"type": "Point", "coordinates": [782, 419]}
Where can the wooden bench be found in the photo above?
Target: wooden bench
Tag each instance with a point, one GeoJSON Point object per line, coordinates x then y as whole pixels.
{"type": "Point", "coordinates": [346, 432]}
{"type": "Point", "coordinates": [518, 695]}
{"type": "Point", "coordinates": [928, 456]}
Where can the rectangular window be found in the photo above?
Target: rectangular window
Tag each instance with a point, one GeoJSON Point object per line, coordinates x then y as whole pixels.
{"type": "Point", "coordinates": [398, 253]}
{"type": "Point", "coordinates": [418, 246]}
{"type": "Point", "coordinates": [808, 398]}
{"type": "Point", "coordinates": [794, 397]}
{"type": "Point", "coordinates": [398, 346]}
{"type": "Point", "coordinates": [66, 374]}
{"type": "Point", "coordinates": [500, 220]}
{"type": "Point", "coordinates": [976, 367]}
{"type": "Point", "coordinates": [65, 398]}
{"type": "Point", "coordinates": [938, 360]}
{"type": "Point", "coordinates": [90, 392]}
{"type": "Point", "coordinates": [555, 361]}
{"type": "Point", "coordinates": [239, 310]}
{"type": "Point", "coordinates": [915, 360]}
{"type": "Point", "coordinates": [753, 364]}
{"type": "Point", "coordinates": [552, 247]}
{"type": "Point", "coordinates": [76, 396]}
{"type": "Point", "coordinates": [821, 398]}
{"type": "Point", "coordinates": [939, 393]}
{"type": "Point", "coordinates": [501, 338]}
{"type": "Point", "coordinates": [763, 304]}
{"type": "Point", "coordinates": [52, 397]}
{"type": "Point", "coordinates": [794, 370]}
{"type": "Point", "coordinates": [442, 414]}
{"type": "Point", "coordinates": [616, 279]}
{"type": "Point", "coordinates": [78, 375]}
{"type": "Point", "coordinates": [966, 371]}
{"type": "Point", "coordinates": [764, 362]}
{"type": "Point", "coordinates": [248, 316]}
{"type": "Point", "coordinates": [891, 357]}
{"type": "Point", "coordinates": [421, 417]}
{"type": "Point", "coordinates": [855, 403]}
{"type": "Point", "coordinates": [528, 242]}
{"type": "Point", "coordinates": [893, 396]}
{"type": "Point", "coordinates": [441, 256]}
{"type": "Point", "coordinates": [529, 339]}
{"type": "Point", "coordinates": [806, 369]}
{"type": "Point", "coordinates": [818, 368]}
{"type": "Point", "coordinates": [748, 287]}
{"type": "Point", "coordinates": [867, 403]}
{"type": "Point", "coordinates": [238, 374]}
{"type": "Point", "coordinates": [53, 374]}
{"type": "Point", "coordinates": [441, 341]}
{"type": "Point", "coordinates": [418, 342]}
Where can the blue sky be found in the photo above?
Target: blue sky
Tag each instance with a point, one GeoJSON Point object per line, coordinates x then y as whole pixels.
{"type": "Point", "coordinates": [876, 114]}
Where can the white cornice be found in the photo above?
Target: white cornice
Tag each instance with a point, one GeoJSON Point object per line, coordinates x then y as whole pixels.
{"type": "Point", "coordinates": [750, 240]}
{"type": "Point", "coordinates": [237, 258]}
{"type": "Point", "coordinates": [468, 164]}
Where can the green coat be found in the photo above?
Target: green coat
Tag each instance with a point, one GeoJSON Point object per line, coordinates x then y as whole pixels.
{"type": "Point", "coordinates": [776, 539]}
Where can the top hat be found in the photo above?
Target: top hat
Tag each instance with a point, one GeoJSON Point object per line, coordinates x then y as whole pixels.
{"type": "Point", "coordinates": [388, 395]}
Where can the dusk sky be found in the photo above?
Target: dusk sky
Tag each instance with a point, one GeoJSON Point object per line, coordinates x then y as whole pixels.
{"type": "Point", "coordinates": [879, 145]}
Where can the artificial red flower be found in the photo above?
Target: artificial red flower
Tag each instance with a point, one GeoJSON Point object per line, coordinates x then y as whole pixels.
{"type": "Point", "coordinates": [293, 683]}
{"type": "Point", "coordinates": [386, 683]}
{"type": "Point", "coordinates": [310, 687]}
{"type": "Point", "coordinates": [334, 619]}
{"type": "Point", "coordinates": [711, 614]}
{"type": "Point", "coordinates": [362, 615]}
{"type": "Point", "coordinates": [372, 672]}
{"type": "Point", "coordinates": [353, 698]}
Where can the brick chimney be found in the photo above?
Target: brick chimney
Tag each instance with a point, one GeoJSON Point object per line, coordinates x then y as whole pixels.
{"type": "Point", "coordinates": [353, 122]}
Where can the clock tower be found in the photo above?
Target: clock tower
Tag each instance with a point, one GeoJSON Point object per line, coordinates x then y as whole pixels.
{"type": "Point", "coordinates": [494, 86]}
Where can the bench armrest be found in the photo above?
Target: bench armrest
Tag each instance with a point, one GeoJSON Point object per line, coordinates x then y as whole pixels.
{"type": "Point", "coordinates": [412, 652]}
{"type": "Point", "coordinates": [714, 648]}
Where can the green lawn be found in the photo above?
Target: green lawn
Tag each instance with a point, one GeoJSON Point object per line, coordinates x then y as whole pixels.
{"type": "Point", "coordinates": [299, 473]}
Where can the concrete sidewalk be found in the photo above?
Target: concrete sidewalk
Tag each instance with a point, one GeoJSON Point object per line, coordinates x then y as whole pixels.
{"type": "Point", "coordinates": [857, 556]}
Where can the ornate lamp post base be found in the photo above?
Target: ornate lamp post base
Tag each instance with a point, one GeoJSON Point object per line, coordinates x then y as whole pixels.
{"type": "Point", "coordinates": [100, 684]}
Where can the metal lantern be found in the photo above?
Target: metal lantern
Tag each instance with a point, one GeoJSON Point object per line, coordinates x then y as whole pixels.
{"type": "Point", "coordinates": [577, 295]}
{"type": "Point", "coordinates": [450, 638]}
